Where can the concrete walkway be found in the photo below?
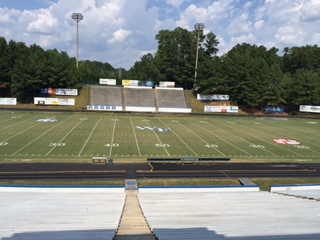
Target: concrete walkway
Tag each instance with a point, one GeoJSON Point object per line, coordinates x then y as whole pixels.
{"type": "Point", "coordinates": [133, 225]}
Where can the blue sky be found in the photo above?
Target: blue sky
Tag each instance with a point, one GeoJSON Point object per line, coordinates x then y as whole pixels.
{"type": "Point", "coordinates": [121, 31]}
{"type": "Point", "coordinates": [26, 4]}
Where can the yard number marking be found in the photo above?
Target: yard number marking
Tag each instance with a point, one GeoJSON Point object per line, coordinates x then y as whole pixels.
{"type": "Point", "coordinates": [256, 146]}
{"type": "Point", "coordinates": [211, 146]}
{"type": "Point", "coordinates": [111, 145]}
{"type": "Point", "coordinates": [162, 145]}
{"type": "Point", "coordinates": [57, 144]}
{"type": "Point", "coordinates": [302, 147]}
{"type": "Point", "coordinates": [3, 144]}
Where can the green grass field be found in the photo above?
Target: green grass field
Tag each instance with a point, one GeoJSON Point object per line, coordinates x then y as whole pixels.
{"type": "Point", "coordinates": [77, 137]}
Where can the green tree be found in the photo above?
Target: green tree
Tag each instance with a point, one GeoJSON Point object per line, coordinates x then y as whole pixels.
{"type": "Point", "coordinates": [250, 76]}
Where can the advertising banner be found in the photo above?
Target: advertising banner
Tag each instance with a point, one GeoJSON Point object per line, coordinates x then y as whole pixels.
{"type": "Point", "coordinates": [147, 83]}
{"type": "Point", "coordinates": [8, 101]}
{"type": "Point", "coordinates": [58, 92]}
{"type": "Point", "coordinates": [166, 84]}
{"type": "Point", "coordinates": [108, 81]}
{"type": "Point", "coordinates": [278, 110]}
{"type": "Point", "coordinates": [311, 109]}
{"type": "Point", "coordinates": [127, 82]}
{"type": "Point", "coordinates": [66, 92]}
{"type": "Point", "coordinates": [212, 97]}
{"type": "Point", "coordinates": [221, 109]}
{"type": "Point", "coordinates": [54, 101]}
{"type": "Point", "coordinates": [47, 91]}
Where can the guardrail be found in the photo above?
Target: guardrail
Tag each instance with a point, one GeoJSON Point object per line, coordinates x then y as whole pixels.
{"type": "Point", "coordinates": [185, 160]}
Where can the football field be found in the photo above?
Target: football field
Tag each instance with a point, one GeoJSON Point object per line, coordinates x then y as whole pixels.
{"type": "Point", "coordinates": [52, 136]}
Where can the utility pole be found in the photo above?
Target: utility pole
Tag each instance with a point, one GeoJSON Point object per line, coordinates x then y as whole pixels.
{"type": "Point", "coordinates": [77, 17]}
{"type": "Point", "coordinates": [198, 27]}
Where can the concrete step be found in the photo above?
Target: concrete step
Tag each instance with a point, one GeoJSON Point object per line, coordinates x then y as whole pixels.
{"type": "Point", "coordinates": [133, 225]}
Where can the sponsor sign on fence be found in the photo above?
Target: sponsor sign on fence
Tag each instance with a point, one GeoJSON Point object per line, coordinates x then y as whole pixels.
{"type": "Point", "coordinates": [8, 101]}
{"type": "Point", "coordinates": [107, 81]}
{"type": "Point", "coordinates": [126, 82]}
{"type": "Point", "coordinates": [212, 97]}
{"type": "Point", "coordinates": [312, 109]}
{"type": "Point", "coordinates": [221, 109]}
{"type": "Point", "coordinates": [58, 92]}
{"type": "Point", "coordinates": [54, 101]}
{"type": "Point", "coordinates": [47, 91]}
{"type": "Point", "coordinates": [166, 84]}
{"type": "Point", "coordinates": [66, 92]}
{"type": "Point", "coordinates": [278, 110]}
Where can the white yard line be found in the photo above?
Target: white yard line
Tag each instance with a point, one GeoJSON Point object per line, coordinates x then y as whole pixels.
{"type": "Point", "coordinates": [179, 138]}
{"type": "Point", "coordinates": [89, 137]}
{"type": "Point", "coordinates": [63, 138]}
{"type": "Point", "coordinates": [17, 123]}
{"type": "Point", "coordinates": [222, 139]}
{"type": "Point", "coordinates": [135, 137]}
{"type": "Point", "coordinates": [295, 130]}
{"type": "Point", "coordinates": [202, 139]}
{"type": "Point", "coordinates": [277, 145]}
{"type": "Point", "coordinates": [112, 139]}
{"type": "Point", "coordinates": [39, 136]}
{"type": "Point", "coordinates": [21, 132]}
{"type": "Point", "coordinates": [163, 146]}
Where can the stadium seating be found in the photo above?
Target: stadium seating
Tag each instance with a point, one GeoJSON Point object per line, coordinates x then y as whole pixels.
{"type": "Point", "coordinates": [140, 99]}
{"type": "Point", "coordinates": [111, 96]}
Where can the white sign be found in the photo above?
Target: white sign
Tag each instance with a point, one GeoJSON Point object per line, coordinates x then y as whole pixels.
{"type": "Point", "coordinates": [66, 92]}
{"type": "Point", "coordinates": [54, 101]}
{"type": "Point", "coordinates": [221, 109]}
{"type": "Point", "coordinates": [312, 109]}
{"type": "Point", "coordinates": [8, 101]}
{"type": "Point", "coordinates": [212, 97]}
{"type": "Point", "coordinates": [107, 81]}
{"type": "Point", "coordinates": [166, 84]}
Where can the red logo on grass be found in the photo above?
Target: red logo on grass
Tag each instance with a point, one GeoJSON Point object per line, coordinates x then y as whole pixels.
{"type": "Point", "coordinates": [286, 141]}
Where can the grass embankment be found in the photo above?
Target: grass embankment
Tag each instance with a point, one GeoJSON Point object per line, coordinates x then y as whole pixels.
{"type": "Point", "coordinates": [263, 183]}
{"type": "Point", "coordinates": [81, 103]}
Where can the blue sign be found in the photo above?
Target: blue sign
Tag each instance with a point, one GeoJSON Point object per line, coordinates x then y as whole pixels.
{"type": "Point", "coordinates": [278, 110]}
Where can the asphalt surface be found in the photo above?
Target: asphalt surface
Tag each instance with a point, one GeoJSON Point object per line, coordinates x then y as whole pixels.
{"type": "Point", "coordinates": [24, 171]}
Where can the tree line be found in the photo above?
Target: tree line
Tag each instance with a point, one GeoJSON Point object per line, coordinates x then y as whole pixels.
{"type": "Point", "coordinates": [253, 76]}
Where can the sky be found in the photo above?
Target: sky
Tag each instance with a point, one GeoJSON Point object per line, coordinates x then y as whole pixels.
{"type": "Point", "coordinates": [120, 32]}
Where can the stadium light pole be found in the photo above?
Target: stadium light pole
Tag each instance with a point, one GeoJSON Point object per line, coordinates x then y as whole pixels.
{"type": "Point", "coordinates": [77, 17]}
{"type": "Point", "coordinates": [198, 27]}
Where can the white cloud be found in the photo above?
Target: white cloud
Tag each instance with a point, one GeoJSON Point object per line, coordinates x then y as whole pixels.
{"type": "Point", "coordinates": [259, 24]}
{"type": "Point", "coordinates": [119, 36]}
{"type": "Point", "coordinates": [120, 31]}
{"type": "Point", "coordinates": [44, 23]}
{"type": "Point", "coordinates": [175, 3]}
{"type": "Point", "coordinates": [250, 38]}
{"type": "Point", "coordinates": [310, 10]}
{"type": "Point", "coordinates": [6, 18]}
{"type": "Point", "coordinates": [289, 35]}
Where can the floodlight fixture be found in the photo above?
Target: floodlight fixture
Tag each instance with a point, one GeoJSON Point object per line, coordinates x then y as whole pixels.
{"type": "Point", "coordinates": [77, 17]}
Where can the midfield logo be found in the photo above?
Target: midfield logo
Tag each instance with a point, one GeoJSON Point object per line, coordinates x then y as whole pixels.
{"type": "Point", "coordinates": [157, 129]}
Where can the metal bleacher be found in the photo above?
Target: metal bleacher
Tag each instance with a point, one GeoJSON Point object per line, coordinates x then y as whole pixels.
{"type": "Point", "coordinates": [228, 213]}
{"type": "Point", "coordinates": [106, 96]}
{"type": "Point", "coordinates": [169, 98]}
{"type": "Point", "coordinates": [139, 97]}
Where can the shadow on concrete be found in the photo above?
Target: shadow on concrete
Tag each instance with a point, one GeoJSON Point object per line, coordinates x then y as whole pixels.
{"type": "Point", "coordinates": [64, 235]}
{"type": "Point", "coordinates": [160, 233]}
